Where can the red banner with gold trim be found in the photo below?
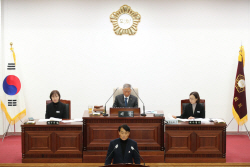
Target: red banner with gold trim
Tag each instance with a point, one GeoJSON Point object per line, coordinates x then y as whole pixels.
{"type": "Point", "coordinates": [239, 101]}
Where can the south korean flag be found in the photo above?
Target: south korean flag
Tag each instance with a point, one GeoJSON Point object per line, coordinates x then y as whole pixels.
{"type": "Point", "coordinates": [12, 103]}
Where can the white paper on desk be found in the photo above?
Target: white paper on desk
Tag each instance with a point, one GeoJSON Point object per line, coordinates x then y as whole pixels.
{"type": "Point", "coordinates": [150, 112]}
{"type": "Point", "coordinates": [218, 120]}
{"type": "Point", "coordinates": [78, 119]}
{"type": "Point", "coordinates": [169, 116]}
{"type": "Point", "coordinates": [43, 120]}
{"type": "Point", "coordinates": [204, 120]}
{"type": "Point", "coordinates": [184, 120]}
{"type": "Point", "coordinates": [32, 122]}
{"type": "Point", "coordinates": [65, 121]}
{"type": "Point", "coordinates": [55, 119]}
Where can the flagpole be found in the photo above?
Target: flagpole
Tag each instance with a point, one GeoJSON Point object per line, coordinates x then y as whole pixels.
{"type": "Point", "coordinates": [11, 43]}
{"type": "Point", "coordinates": [230, 122]}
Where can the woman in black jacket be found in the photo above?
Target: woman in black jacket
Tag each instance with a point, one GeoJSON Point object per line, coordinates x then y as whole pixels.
{"type": "Point", "coordinates": [56, 108]}
{"type": "Point", "coordinates": [194, 109]}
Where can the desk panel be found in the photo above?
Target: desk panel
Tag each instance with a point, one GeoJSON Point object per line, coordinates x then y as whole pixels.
{"type": "Point", "coordinates": [52, 143]}
{"type": "Point", "coordinates": [195, 143]}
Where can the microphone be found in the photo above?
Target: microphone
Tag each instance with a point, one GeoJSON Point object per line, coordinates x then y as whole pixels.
{"type": "Point", "coordinates": [105, 112]}
{"type": "Point", "coordinates": [132, 148]}
{"type": "Point", "coordinates": [143, 114]}
{"type": "Point", "coordinates": [116, 146]}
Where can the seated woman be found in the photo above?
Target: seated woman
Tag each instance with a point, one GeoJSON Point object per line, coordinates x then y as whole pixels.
{"type": "Point", "coordinates": [56, 108]}
{"type": "Point", "coordinates": [194, 109]}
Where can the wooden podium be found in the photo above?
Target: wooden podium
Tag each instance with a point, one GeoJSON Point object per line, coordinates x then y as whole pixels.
{"type": "Point", "coordinates": [147, 131]}
{"type": "Point", "coordinates": [125, 165]}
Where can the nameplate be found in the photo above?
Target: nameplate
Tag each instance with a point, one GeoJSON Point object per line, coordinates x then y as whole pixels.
{"type": "Point", "coordinates": [126, 113]}
{"type": "Point", "coordinates": [171, 121]}
{"type": "Point", "coordinates": [52, 122]}
{"type": "Point", "coordinates": [194, 122]}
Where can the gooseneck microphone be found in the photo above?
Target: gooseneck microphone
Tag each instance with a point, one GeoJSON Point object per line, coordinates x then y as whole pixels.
{"type": "Point", "coordinates": [132, 148]}
{"type": "Point", "coordinates": [116, 146]}
{"type": "Point", "coordinates": [143, 114]}
{"type": "Point", "coordinates": [105, 111]}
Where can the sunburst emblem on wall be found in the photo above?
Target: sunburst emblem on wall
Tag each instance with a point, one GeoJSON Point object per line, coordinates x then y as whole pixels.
{"type": "Point", "coordinates": [125, 20]}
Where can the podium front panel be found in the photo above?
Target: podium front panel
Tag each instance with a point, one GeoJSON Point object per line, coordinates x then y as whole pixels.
{"type": "Point", "coordinates": [147, 131]}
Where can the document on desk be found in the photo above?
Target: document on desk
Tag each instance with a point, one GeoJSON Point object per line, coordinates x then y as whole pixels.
{"type": "Point", "coordinates": [51, 119]}
{"type": "Point", "coordinates": [203, 120]}
{"type": "Point", "coordinates": [65, 121]}
{"type": "Point", "coordinates": [183, 120]}
{"type": "Point", "coordinates": [55, 119]}
{"type": "Point", "coordinates": [219, 120]}
{"type": "Point", "coordinates": [78, 119]}
{"type": "Point", "coordinates": [43, 120]}
{"type": "Point", "coordinates": [169, 116]}
{"type": "Point", "coordinates": [150, 112]}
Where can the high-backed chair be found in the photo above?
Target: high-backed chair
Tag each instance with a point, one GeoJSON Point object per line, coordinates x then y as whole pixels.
{"type": "Point", "coordinates": [184, 102]}
{"type": "Point", "coordinates": [68, 107]}
{"type": "Point", "coordinates": [119, 91]}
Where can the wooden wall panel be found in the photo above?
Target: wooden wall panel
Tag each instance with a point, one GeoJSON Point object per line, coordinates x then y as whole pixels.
{"type": "Point", "coordinates": [209, 142]}
{"type": "Point", "coordinates": [68, 142]}
{"type": "Point", "coordinates": [178, 142]}
{"type": "Point", "coordinates": [38, 142]}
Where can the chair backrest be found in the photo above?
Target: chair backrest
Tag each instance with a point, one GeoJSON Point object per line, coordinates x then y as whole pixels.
{"type": "Point", "coordinates": [119, 91]}
{"type": "Point", "coordinates": [185, 102]}
{"type": "Point", "coordinates": [68, 107]}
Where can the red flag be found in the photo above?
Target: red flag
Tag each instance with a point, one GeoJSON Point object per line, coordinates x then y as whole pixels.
{"type": "Point", "coordinates": [239, 101]}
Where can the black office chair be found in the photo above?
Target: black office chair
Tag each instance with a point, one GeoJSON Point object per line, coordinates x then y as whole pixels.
{"type": "Point", "coordinates": [68, 107]}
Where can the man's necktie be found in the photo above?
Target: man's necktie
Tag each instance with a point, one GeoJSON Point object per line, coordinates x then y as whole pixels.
{"type": "Point", "coordinates": [126, 101]}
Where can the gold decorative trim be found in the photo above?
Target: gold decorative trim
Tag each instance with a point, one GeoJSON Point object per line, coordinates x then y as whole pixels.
{"type": "Point", "coordinates": [125, 9]}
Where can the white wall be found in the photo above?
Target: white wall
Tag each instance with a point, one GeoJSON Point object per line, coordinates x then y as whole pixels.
{"type": "Point", "coordinates": [180, 46]}
{"type": "Point", "coordinates": [1, 65]}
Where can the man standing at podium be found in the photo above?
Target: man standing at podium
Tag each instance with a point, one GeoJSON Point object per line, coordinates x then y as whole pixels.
{"type": "Point", "coordinates": [126, 99]}
{"type": "Point", "coordinates": [123, 149]}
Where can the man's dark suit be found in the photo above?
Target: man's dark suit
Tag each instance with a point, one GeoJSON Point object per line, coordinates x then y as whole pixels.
{"type": "Point", "coordinates": [199, 111]}
{"type": "Point", "coordinates": [117, 153]}
{"type": "Point", "coordinates": [119, 101]}
{"type": "Point", "coordinates": [51, 110]}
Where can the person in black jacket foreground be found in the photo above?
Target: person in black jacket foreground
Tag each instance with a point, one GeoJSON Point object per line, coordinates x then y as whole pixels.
{"type": "Point", "coordinates": [120, 149]}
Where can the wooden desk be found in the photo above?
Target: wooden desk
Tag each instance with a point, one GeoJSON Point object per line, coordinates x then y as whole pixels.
{"type": "Point", "coordinates": [195, 143]}
{"type": "Point", "coordinates": [52, 143]}
{"type": "Point", "coordinates": [147, 131]}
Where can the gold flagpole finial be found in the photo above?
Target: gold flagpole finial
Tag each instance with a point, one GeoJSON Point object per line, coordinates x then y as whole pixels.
{"type": "Point", "coordinates": [11, 44]}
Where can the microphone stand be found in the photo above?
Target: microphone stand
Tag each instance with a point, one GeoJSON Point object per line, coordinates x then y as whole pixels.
{"type": "Point", "coordinates": [112, 152]}
{"type": "Point", "coordinates": [138, 154]}
{"type": "Point", "coordinates": [105, 111]}
{"type": "Point", "coordinates": [143, 114]}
